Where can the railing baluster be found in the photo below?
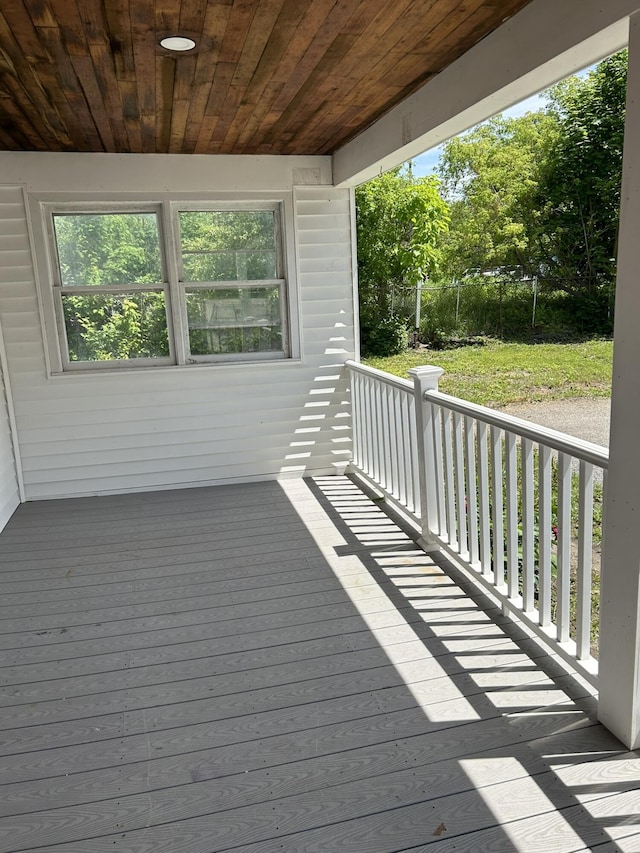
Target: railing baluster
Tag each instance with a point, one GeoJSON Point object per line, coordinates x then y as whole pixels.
{"type": "Point", "coordinates": [472, 494]}
{"type": "Point", "coordinates": [380, 443]}
{"type": "Point", "coordinates": [370, 432]}
{"type": "Point", "coordinates": [378, 434]}
{"type": "Point", "coordinates": [361, 427]}
{"type": "Point", "coordinates": [563, 572]}
{"type": "Point", "coordinates": [385, 455]}
{"type": "Point", "coordinates": [461, 508]}
{"type": "Point", "coordinates": [544, 534]}
{"type": "Point", "coordinates": [407, 455]}
{"type": "Point", "coordinates": [528, 533]}
{"type": "Point", "coordinates": [403, 451]}
{"type": "Point", "coordinates": [437, 444]}
{"type": "Point", "coordinates": [413, 440]}
{"type": "Point", "coordinates": [355, 417]}
{"type": "Point", "coordinates": [511, 483]}
{"type": "Point", "coordinates": [452, 533]}
{"type": "Point", "coordinates": [484, 509]}
{"type": "Point", "coordinates": [497, 507]}
{"type": "Point", "coordinates": [585, 557]}
{"type": "Point", "coordinates": [409, 461]}
{"type": "Point", "coordinates": [394, 478]}
{"type": "Point", "coordinates": [370, 428]}
{"type": "Point", "coordinates": [484, 499]}
{"type": "Point", "coordinates": [391, 447]}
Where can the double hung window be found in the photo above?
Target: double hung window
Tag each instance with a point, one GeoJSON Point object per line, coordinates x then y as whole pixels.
{"type": "Point", "coordinates": [150, 285]}
{"type": "Point", "coordinates": [232, 285]}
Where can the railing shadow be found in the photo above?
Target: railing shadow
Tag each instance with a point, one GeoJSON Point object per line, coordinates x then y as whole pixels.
{"type": "Point", "coordinates": [503, 674]}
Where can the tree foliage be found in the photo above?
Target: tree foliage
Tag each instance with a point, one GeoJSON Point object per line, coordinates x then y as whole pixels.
{"type": "Point", "coordinates": [582, 176]}
{"type": "Point", "coordinates": [228, 245]}
{"type": "Point", "coordinates": [107, 250]}
{"type": "Point", "coordinates": [492, 176]}
{"type": "Point", "coordinates": [539, 196]}
{"type": "Point", "coordinates": [400, 223]}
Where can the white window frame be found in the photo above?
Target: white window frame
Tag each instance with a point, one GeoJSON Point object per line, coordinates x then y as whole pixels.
{"type": "Point", "coordinates": [167, 208]}
{"type": "Point", "coordinates": [183, 286]}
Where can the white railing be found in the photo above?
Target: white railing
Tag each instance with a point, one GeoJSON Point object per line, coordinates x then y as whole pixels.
{"type": "Point", "coordinates": [511, 501]}
{"type": "Point", "coordinates": [385, 447]}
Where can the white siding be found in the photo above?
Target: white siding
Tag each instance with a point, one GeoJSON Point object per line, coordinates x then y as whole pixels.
{"type": "Point", "coordinates": [162, 428]}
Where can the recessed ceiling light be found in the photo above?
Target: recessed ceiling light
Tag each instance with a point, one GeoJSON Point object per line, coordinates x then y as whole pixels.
{"type": "Point", "coordinates": [178, 43]}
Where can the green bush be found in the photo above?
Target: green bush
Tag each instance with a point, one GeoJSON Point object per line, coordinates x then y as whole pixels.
{"type": "Point", "coordinates": [386, 337]}
{"type": "Point", "coordinates": [590, 313]}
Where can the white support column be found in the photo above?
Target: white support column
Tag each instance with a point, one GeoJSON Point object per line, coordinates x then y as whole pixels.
{"type": "Point", "coordinates": [619, 707]}
{"type": "Point", "coordinates": [426, 379]}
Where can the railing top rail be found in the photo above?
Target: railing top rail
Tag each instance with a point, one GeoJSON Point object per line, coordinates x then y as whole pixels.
{"type": "Point", "coordinates": [380, 375]}
{"type": "Point", "coordinates": [576, 447]}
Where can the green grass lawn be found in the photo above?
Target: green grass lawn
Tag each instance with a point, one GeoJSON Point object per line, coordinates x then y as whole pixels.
{"type": "Point", "coordinates": [501, 373]}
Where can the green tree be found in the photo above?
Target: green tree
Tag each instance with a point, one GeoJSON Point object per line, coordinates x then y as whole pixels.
{"type": "Point", "coordinates": [228, 245]}
{"type": "Point", "coordinates": [111, 249]}
{"type": "Point", "coordinates": [582, 178]}
{"type": "Point", "coordinates": [541, 193]}
{"type": "Point", "coordinates": [492, 177]}
{"type": "Point", "coordinates": [400, 223]}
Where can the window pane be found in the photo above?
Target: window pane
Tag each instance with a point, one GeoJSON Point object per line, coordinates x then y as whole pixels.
{"type": "Point", "coordinates": [228, 245]}
{"type": "Point", "coordinates": [120, 326]}
{"type": "Point", "coordinates": [108, 248]}
{"type": "Point", "coordinates": [234, 320]}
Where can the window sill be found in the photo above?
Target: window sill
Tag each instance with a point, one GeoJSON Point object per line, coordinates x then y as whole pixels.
{"type": "Point", "coordinates": [173, 368]}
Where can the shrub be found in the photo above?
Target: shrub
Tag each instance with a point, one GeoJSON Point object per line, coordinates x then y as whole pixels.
{"type": "Point", "coordinates": [386, 337]}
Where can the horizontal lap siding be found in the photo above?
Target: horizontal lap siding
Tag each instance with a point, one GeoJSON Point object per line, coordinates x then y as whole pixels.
{"type": "Point", "coordinates": [158, 429]}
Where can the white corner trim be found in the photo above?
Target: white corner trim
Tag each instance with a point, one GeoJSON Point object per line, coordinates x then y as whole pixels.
{"type": "Point", "coordinates": [13, 429]}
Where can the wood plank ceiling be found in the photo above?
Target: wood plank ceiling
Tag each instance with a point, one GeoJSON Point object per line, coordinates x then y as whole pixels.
{"type": "Point", "coordinates": [265, 77]}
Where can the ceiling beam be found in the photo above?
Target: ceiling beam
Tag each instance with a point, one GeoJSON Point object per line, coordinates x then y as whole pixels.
{"type": "Point", "coordinates": [545, 42]}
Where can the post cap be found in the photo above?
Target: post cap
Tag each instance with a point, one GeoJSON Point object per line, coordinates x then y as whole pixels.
{"type": "Point", "coordinates": [426, 370]}
{"type": "Point", "coordinates": [426, 377]}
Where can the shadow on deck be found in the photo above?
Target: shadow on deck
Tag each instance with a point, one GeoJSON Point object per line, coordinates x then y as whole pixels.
{"type": "Point", "coordinates": [277, 667]}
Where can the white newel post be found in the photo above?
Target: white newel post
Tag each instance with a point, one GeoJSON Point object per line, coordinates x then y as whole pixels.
{"type": "Point", "coordinates": [619, 706]}
{"type": "Point", "coordinates": [426, 379]}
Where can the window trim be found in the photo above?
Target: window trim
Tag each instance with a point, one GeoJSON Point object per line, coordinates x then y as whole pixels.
{"type": "Point", "coordinates": [167, 207]}
{"type": "Point", "coordinates": [59, 289]}
{"type": "Point", "coordinates": [183, 285]}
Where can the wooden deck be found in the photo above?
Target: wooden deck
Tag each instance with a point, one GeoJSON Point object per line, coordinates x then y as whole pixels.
{"type": "Point", "coordinates": [277, 667]}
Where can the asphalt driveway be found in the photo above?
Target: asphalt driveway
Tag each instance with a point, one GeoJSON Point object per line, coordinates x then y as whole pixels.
{"type": "Point", "coordinates": [587, 419]}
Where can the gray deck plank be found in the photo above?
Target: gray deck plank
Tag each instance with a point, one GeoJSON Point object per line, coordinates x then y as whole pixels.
{"type": "Point", "coordinates": [269, 667]}
{"type": "Point", "coordinates": [208, 632]}
{"type": "Point", "coordinates": [269, 617]}
{"type": "Point", "coordinates": [133, 605]}
{"type": "Point", "coordinates": [302, 680]}
{"type": "Point", "coordinates": [244, 577]}
{"type": "Point", "coordinates": [241, 814]}
{"type": "Point", "coordinates": [265, 647]}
